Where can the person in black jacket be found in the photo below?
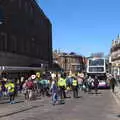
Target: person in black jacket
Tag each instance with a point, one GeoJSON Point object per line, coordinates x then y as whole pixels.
{"type": "Point", "coordinates": [96, 83]}
{"type": "Point", "coordinates": [112, 83]}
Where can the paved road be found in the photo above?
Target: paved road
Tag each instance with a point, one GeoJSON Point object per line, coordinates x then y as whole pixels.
{"type": "Point", "coordinates": [88, 107]}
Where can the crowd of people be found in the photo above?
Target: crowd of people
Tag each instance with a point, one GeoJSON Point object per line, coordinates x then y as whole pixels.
{"type": "Point", "coordinates": [58, 86]}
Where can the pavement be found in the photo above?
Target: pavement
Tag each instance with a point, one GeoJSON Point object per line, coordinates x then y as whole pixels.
{"type": "Point", "coordinates": [88, 107]}
{"type": "Point", "coordinates": [116, 94]}
{"type": "Point", "coordinates": [20, 106]}
{"type": "Point", "coordinates": [117, 91]}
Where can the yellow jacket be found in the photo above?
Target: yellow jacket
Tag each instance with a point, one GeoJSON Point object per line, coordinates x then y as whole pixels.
{"type": "Point", "coordinates": [10, 87]}
{"type": "Point", "coordinates": [62, 82]}
{"type": "Point", "coordinates": [74, 82]}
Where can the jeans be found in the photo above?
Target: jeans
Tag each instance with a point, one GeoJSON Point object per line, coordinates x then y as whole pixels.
{"type": "Point", "coordinates": [54, 98]}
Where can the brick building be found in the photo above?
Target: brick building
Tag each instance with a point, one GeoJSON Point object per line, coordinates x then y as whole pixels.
{"type": "Point", "coordinates": [70, 62]}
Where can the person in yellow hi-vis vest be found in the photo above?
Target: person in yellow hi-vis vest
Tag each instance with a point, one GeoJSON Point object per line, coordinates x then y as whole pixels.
{"type": "Point", "coordinates": [62, 86]}
{"type": "Point", "coordinates": [75, 87]}
{"type": "Point", "coordinates": [10, 86]}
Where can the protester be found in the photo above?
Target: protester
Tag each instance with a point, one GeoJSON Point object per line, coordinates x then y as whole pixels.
{"type": "Point", "coordinates": [75, 87]}
{"type": "Point", "coordinates": [25, 90]}
{"type": "Point", "coordinates": [54, 91]}
{"type": "Point", "coordinates": [11, 91]}
{"type": "Point", "coordinates": [62, 86]}
{"type": "Point", "coordinates": [30, 87]}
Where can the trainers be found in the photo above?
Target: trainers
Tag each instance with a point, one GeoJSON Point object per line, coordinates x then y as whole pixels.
{"type": "Point", "coordinates": [13, 102]}
{"type": "Point", "coordinates": [10, 102]}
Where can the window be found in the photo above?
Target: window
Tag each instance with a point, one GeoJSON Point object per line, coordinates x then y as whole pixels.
{"type": "Point", "coordinates": [96, 62]}
{"type": "Point", "coordinates": [14, 42]}
{"type": "Point", "coordinates": [11, 44]}
{"type": "Point", "coordinates": [1, 16]}
{"type": "Point", "coordinates": [3, 41]}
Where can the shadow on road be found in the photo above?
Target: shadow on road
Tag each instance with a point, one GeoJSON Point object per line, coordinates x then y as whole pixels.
{"type": "Point", "coordinates": [118, 116]}
{"type": "Point", "coordinates": [6, 102]}
{"type": "Point", "coordinates": [98, 93]}
{"type": "Point", "coordinates": [19, 111]}
{"type": "Point", "coordinates": [79, 96]}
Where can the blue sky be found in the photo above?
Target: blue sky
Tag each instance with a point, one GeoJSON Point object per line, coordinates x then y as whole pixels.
{"type": "Point", "coordinates": [83, 26]}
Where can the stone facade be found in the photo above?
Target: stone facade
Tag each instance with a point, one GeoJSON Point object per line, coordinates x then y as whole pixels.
{"type": "Point", "coordinates": [115, 57]}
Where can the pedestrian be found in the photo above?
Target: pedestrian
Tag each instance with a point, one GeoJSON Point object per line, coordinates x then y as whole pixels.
{"type": "Point", "coordinates": [30, 88]}
{"type": "Point", "coordinates": [75, 87]}
{"type": "Point", "coordinates": [84, 85]}
{"type": "Point", "coordinates": [96, 83]}
{"type": "Point", "coordinates": [62, 86]}
{"type": "Point", "coordinates": [80, 82]}
{"type": "Point", "coordinates": [112, 83]}
{"type": "Point", "coordinates": [10, 86]}
{"type": "Point", "coordinates": [3, 82]}
{"type": "Point", "coordinates": [90, 81]}
{"type": "Point", "coordinates": [25, 90]}
{"type": "Point", "coordinates": [44, 86]}
{"type": "Point", "coordinates": [1, 90]}
{"type": "Point", "coordinates": [38, 78]}
{"type": "Point", "coordinates": [54, 91]}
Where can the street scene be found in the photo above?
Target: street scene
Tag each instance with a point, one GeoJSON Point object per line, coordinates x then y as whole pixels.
{"type": "Point", "coordinates": [87, 107]}
{"type": "Point", "coordinates": [59, 62]}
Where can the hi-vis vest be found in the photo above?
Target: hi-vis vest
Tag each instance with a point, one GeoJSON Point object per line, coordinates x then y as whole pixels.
{"type": "Point", "coordinates": [74, 82]}
{"type": "Point", "coordinates": [10, 87]}
{"type": "Point", "coordinates": [62, 82]}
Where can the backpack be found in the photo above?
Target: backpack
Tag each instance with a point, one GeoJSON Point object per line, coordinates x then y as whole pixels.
{"type": "Point", "coordinates": [29, 84]}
